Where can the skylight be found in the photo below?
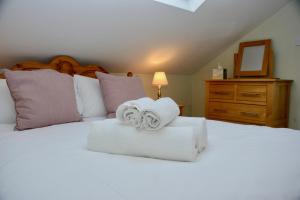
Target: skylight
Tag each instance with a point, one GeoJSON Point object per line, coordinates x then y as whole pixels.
{"type": "Point", "coordinates": [190, 5]}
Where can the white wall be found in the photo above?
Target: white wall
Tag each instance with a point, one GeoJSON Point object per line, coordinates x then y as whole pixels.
{"type": "Point", "coordinates": [283, 28]}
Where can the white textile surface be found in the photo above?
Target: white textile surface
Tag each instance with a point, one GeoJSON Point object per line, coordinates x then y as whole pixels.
{"type": "Point", "coordinates": [129, 112]}
{"type": "Point", "coordinates": [240, 162]}
{"type": "Point", "coordinates": [160, 114]}
{"type": "Point", "coordinates": [170, 143]}
{"type": "Point", "coordinates": [89, 97]}
{"type": "Point", "coordinates": [7, 105]}
{"type": "Point", "coordinates": [199, 126]}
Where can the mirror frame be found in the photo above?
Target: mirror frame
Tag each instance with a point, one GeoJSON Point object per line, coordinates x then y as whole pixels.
{"type": "Point", "coordinates": [266, 68]}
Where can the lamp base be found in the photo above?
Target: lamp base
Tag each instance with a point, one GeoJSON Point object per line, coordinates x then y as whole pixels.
{"type": "Point", "coordinates": [159, 92]}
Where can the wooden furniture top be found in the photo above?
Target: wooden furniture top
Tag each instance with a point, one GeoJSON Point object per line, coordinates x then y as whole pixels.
{"type": "Point", "coordinates": [63, 64]}
{"type": "Point", "coordinates": [251, 80]}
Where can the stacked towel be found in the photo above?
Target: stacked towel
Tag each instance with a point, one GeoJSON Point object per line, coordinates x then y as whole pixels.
{"type": "Point", "coordinates": [130, 111]}
{"type": "Point", "coordinates": [159, 114]}
{"type": "Point", "coordinates": [149, 128]}
{"type": "Point", "coordinates": [199, 126]}
{"type": "Point", "coordinates": [148, 114]}
{"type": "Point", "coordinates": [171, 143]}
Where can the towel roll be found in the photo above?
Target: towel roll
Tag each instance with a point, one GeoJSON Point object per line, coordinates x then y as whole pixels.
{"type": "Point", "coordinates": [199, 126]}
{"type": "Point", "coordinates": [170, 143]}
{"type": "Point", "coordinates": [159, 114]}
{"type": "Point", "coordinates": [130, 111]}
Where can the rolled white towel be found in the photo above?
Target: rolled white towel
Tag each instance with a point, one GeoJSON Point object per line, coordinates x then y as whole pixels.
{"type": "Point", "coordinates": [130, 111]}
{"type": "Point", "coordinates": [170, 143]}
{"type": "Point", "coordinates": [199, 125]}
{"type": "Point", "coordinates": [159, 114]}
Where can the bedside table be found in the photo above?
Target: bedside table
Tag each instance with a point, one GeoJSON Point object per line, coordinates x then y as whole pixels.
{"type": "Point", "coordinates": [181, 107]}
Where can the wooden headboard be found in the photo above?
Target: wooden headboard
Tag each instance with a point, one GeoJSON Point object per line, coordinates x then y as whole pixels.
{"type": "Point", "coordinates": [63, 64]}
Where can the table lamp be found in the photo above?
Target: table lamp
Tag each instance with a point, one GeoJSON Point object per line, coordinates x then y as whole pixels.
{"type": "Point", "coordinates": [159, 80]}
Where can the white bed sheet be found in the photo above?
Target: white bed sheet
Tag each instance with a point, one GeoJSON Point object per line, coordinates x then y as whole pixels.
{"type": "Point", "coordinates": [240, 162]}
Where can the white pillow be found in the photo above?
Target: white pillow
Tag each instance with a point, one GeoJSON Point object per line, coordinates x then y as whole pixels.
{"type": "Point", "coordinates": [89, 97]}
{"type": "Point", "coordinates": [7, 105]}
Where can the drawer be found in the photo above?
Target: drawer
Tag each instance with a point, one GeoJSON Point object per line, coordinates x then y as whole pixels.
{"type": "Point", "coordinates": [251, 112]}
{"type": "Point", "coordinates": [221, 91]}
{"type": "Point", "coordinates": [220, 109]}
{"type": "Point", "coordinates": [237, 112]}
{"type": "Point", "coordinates": [257, 93]}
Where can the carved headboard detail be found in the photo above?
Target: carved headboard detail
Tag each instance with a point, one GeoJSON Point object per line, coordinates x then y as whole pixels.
{"type": "Point", "coordinates": [63, 64]}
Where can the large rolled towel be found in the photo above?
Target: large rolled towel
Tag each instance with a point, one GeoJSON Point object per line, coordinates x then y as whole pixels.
{"type": "Point", "coordinates": [199, 125]}
{"type": "Point", "coordinates": [159, 114]}
{"type": "Point", "coordinates": [170, 143]}
{"type": "Point", "coordinates": [130, 111]}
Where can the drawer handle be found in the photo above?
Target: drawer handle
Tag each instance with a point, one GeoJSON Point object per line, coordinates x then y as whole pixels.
{"type": "Point", "coordinates": [220, 110]}
{"type": "Point", "coordinates": [246, 94]}
{"type": "Point", "coordinates": [250, 114]}
{"type": "Point", "coordinates": [221, 93]}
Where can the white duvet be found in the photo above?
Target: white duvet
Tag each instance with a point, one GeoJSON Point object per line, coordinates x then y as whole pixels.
{"type": "Point", "coordinates": [239, 163]}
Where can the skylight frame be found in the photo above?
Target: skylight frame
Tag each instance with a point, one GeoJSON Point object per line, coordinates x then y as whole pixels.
{"type": "Point", "coordinates": [189, 5]}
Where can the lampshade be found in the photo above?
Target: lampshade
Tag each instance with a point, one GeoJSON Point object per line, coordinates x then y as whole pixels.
{"type": "Point", "coordinates": [160, 79]}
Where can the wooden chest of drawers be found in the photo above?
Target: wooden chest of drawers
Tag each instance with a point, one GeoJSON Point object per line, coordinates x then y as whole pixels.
{"type": "Point", "coordinates": [250, 101]}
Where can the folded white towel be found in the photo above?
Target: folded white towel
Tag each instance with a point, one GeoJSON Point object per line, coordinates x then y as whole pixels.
{"type": "Point", "coordinates": [199, 125]}
{"type": "Point", "coordinates": [130, 111]}
{"type": "Point", "coordinates": [159, 114]}
{"type": "Point", "coordinates": [171, 143]}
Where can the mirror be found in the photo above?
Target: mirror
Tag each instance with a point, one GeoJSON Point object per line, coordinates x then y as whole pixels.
{"type": "Point", "coordinates": [254, 59]}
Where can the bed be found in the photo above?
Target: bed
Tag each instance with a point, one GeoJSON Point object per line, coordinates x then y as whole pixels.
{"type": "Point", "coordinates": [240, 162]}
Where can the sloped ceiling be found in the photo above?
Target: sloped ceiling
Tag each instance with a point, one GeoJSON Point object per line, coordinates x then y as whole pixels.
{"type": "Point", "coordinates": [142, 36]}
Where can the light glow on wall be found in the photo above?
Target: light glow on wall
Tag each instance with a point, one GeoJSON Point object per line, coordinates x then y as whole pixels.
{"type": "Point", "coordinates": [161, 56]}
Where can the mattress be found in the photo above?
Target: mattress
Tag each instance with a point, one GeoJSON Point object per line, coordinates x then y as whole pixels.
{"type": "Point", "coordinates": [240, 162]}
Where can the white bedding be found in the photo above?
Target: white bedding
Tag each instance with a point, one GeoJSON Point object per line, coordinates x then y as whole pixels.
{"type": "Point", "coordinates": [240, 162]}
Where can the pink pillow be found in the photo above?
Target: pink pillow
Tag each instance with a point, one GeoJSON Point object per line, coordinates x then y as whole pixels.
{"type": "Point", "coordinates": [42, 98]}
{"type": "Point", "coordinates": [118, 89]}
